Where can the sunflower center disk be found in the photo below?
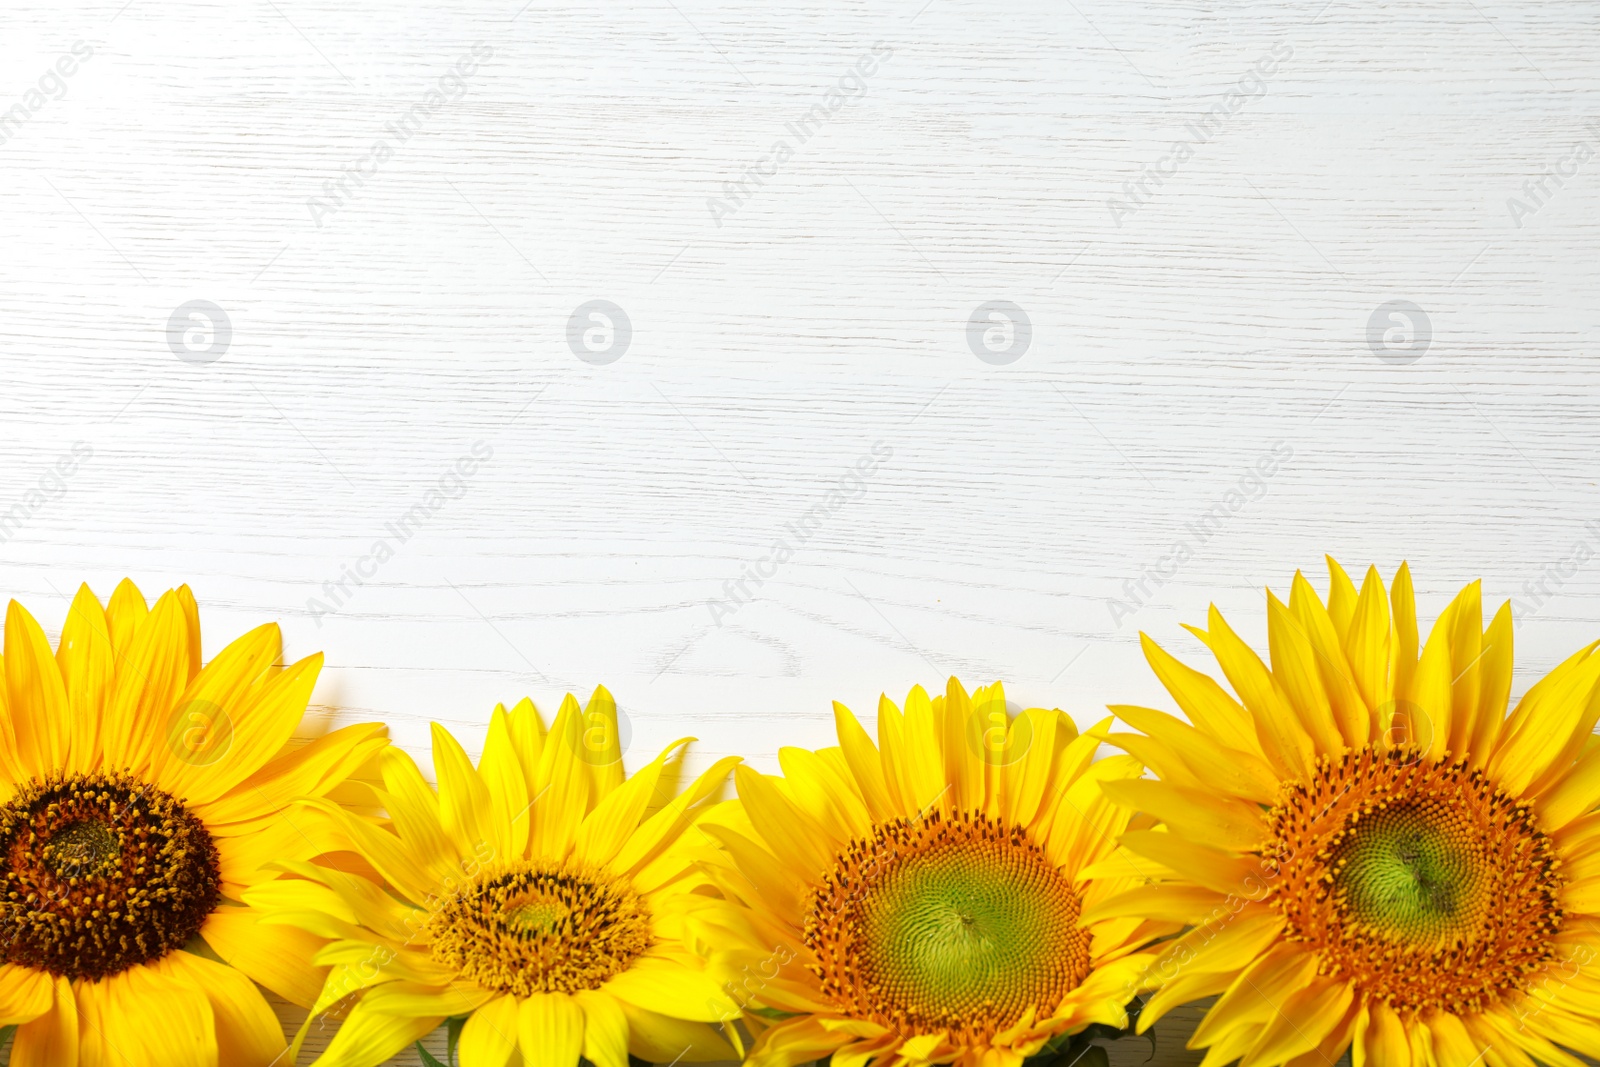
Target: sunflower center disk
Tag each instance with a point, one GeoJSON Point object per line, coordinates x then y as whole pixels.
{"type": "Point", "coordinates": [1416, 879]}
{"type": "Point", "coordinates": [949, 923]}
{"type": "Point", "coordinates": [101, 872]}
{"type": "Point", "coordinates": [1414, 871]}
{"type": "Point", "coordinates": [533, 929]}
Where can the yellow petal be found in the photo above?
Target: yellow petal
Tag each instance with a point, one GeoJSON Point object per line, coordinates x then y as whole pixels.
{"type": "Point", "coordinates": [1209, 867]}
{"type": "Point", "coordinates": [233, 717]}
{"type": "Point", "coordinates": [659, 1039]}
{"type": "Point", "coordinates": [1294, 668]}
{"type": "Point", "coordinates": [1258, 994]}
{"type": "Point", "coordinates": [1367, 644]}
{"type": "Point", "coordinates": [602, 743]}
{"type": "Point", "coordinates": [1494, 690]}
{"type": "Point", "coordinates": [1342, 598]}
{"type": "Point", "coordinates": [963, 773]}
{"type": "Point", "coordinates": [312, 770]}
{"type": "Point", "coordinates": [1552, 714]}
{"type": "Point", "coordinates": [1380, 1038]}
{"type": "Point", "coordinates": [115, 1016]}
{"type": "Point", "coordinates": [560, 789]}
{"type": "Point", "coordinates": [368, 1037]}
{"type": "Point", "coordinates": [1452, 1045]}
{"type": "Point", "coordinates": [1307, 1016]}
{"type": "Point", "coordinates": [1205, 961]}
{"type": "Point", "coordinates": [1464, 618]}
{"type": "Point", "coordinates": [408, 999]}
{"type": "Point", "coordinates": [783, 824]}
{"type": "Point", "coordinates": [386, 852]}
{"type": "Point", "coordinates": [550, 1030]}
{"type": "Point", "coordinates": [821, 784]}
{"type": "Point", "coordinates": [413, 807]}
{"type": "Point", "coordinates": [35, 695]}
{"type": "Point", "coordinates": [527, 741]}
{"type": "Point", "coordinates": [924, 767]}
{"type": "Point", "coordinates": [1350, 712]}
{"type": "Point", "coordinates": [279, 957]}
{"type": "Point", "coordinates": [605, 1030]}
{"type": "Point", "coordinates": [489, 1038]}
{"type": "Point", "coordinates": [1206, 703]}
{"type": "Point", "coordinates": [892, 755]}
{"type": "Point", "coordinates": [1424, 713]}
{"type": "Point", "coordinates": [25, 994]}
{"type": "Point", "coordinates": [1086, 824]}
{"type": "Point", "coordinates": [1284, 741]}
{"type": "Point", "coordinates": [865, 763]}
{"type": "Point", "coordinates": [1174, 903]}
{"type": "Point", "coordinates": [1030, 774]}
{"type": "Point", "coordinates": [51, 1038]}
{"type": "Point", "coordinates": [774, 880]}
{"type": "Point", "coordinates": [247, 1031]}
{"type": "Point", "coordinates": [660, 830]}
{"type": "Point", "coordinates": [1210, 818]}
{"type": "Point", "coordinates": [796, 1041]}
{"type": "Point", "coordinates": [1209, 763]}
{"type": "Point", "coordinates": [125, 613]}
{"type": "Point", "coordinates": [463, 798]}
{"type": "Point", "coordinates": [502, 773]}
{"type": "Point", "coordinates": [615, 819]}
{"type": "Point", "coordinates": [672, 989]}
{"type": "Point", "coordinates": [1577, 793]}
{"type": "Point", "coordinates": [298, 833]}
{"type": "Point", "coordinates": [1403, 612]}
{"type": "Point", "coordinates": [151, 674]}
{"type": "Point", "coordinates": [88, 671]}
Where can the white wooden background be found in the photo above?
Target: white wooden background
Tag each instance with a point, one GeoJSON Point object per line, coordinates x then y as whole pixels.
{"type": "Point", "coordinates": [1176, 342]}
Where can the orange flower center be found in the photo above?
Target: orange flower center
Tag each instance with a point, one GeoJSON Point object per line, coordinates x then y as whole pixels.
{"type": "Point", "coordinates": [1418, 880]}
{"type": "Point", "coordinates": [956, 923]}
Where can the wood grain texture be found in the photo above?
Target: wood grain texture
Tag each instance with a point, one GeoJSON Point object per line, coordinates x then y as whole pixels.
{"type": "Point", "coordinates": [382, 327]}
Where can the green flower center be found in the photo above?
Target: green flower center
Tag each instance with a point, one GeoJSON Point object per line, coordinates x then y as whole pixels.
{"type": "Point", "coordinates": [1411, 871]}
{"type": "Point", "coordinates": [1418, 881]}
{"type": "Point", "coordinates": [958, 924]}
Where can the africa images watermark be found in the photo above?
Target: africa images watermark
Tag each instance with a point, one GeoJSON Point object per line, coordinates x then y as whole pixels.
{"type": "Point", "coordinates": [1251, 486]}
{"type": "Point", "coordinates": [52, 85]}
{"type": "Point", "coordinates": [451, 485]}
{"type": "Point", "coordinates": [1251, 85]}
{"type": "Point", "coordinates": [450, 88]}
{"type": "Point", "coordinates": [1537, 192]}
{"type": "Point", "coordinates": [852, 485]}
{"type": "Point", "coordinates": [852, 83]}
{"type": "Point", "coordinates": [1554, 575]}
{"type": "Point", "coordinates": [50, 486]}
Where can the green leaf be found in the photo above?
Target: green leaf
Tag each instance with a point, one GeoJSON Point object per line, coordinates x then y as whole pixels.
{"type": "Point", "coordinates": [427, 1057]}
{"type": "Point", "coordinates": [452, 1030]}
{"type": "Point", "coordinates": [1091, 1056]}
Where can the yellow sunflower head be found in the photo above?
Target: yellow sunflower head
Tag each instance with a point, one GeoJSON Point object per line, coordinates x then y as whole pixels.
{"type": "Point", "coordinates": [1370, 852]}
{"type": "Point", "coordinates": [921, 900]}
{"type": "Point", "coordinates": [541, 896]}
{"type": "Point", "coordinates": [141, 796]}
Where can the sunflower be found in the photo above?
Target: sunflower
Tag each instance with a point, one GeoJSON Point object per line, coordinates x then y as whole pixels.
{"type": "Point", "coordinates": [921, 901]}
{"type": "Point", "coordinates": [140, 796]}
{"type": "Point", "coordinates": [1370, 852]}
{"type": "Point", "coordinates": [540, 896]}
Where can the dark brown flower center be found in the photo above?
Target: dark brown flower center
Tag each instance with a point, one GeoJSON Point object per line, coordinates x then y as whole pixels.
{"type": "Point", "coordinates": [101, 872]}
